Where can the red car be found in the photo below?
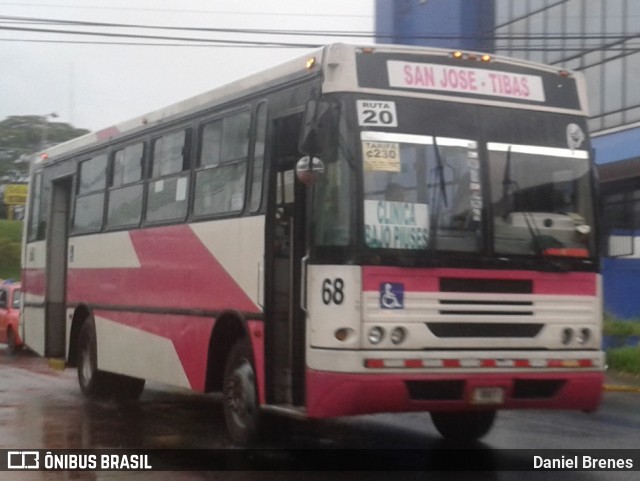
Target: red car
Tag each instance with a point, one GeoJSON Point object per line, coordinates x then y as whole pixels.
{"type": "Point", "coordinates": [9, 314]}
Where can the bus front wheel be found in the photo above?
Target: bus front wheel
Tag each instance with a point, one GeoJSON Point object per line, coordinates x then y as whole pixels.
{"type": "Point", "coordinates": [240, 395]}
{"type": "Point", "coordinates": [463, 426]}
{"type": "Point", "coordinates": [93, 383]}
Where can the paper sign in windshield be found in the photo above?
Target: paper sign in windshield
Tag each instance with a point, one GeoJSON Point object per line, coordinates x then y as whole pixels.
{"type": "Point", "coordinates": [381, 156]}
{"type": "Point", "coordinates": [396, 225]}
{"type": "Point", "coordinates": [459, 79]}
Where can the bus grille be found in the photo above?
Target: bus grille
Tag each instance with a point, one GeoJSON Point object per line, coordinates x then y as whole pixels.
{"type": "Point", "coordinates": [483, 329]}
{"type": "Point", "coordinates": [497, 286]}
{"type": "Point", "coordinates": [475, 307]}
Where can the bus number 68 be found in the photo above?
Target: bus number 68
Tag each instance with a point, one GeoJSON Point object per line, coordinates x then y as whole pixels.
{"type": "Point", "coordinates": [333, 291]}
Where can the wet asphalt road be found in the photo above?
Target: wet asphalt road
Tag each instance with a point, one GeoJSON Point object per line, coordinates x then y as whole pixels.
{"type": "Point", "coordinates": [41, 408]}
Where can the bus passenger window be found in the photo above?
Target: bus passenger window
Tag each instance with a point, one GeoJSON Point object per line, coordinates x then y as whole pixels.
{"type": "Point", "coordinates": [125, 197]}
{"type": "Point", "coordinates": [35, 205]}
{"type": "Point", "coordinates": [222, 167]}
{"type": "Point", "coordinates": [127, 165]}
{"type": "Point", "coordinates": [169, 186]}
{"type": "Point", "coordinates": [89, 202]}
{"type": "Point", "coordinates": [258, 158]}
{"type": "Point", "coordinates": [170, 154]}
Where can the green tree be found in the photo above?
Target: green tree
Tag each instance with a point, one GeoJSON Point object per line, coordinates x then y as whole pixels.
{"type": "Point", "coordinates": [24, 135]}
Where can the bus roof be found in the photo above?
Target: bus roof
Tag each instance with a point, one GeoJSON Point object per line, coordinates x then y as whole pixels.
{"type": "Point", "coordinates": [334, 62]}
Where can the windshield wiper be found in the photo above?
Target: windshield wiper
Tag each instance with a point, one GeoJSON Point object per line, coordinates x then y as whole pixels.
{"type": "Point", "coordinates": [443, 195]}
{"type": "Point", "coordinates": [534, 231]}
{"type": "Point", "coordinates": [507, 182]}
{"type": "Point", "coordinates": [440, 170]}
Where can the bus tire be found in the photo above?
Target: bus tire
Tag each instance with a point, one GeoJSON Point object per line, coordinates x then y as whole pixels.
{"type": "Point", "coordinates": [126, 388]}
{"type": "Point", "coordinates": [240, 395]}
{"type": "Point", "coordinates": [94, 383]}
{"type": "Point", "coordinates": [464, 426]}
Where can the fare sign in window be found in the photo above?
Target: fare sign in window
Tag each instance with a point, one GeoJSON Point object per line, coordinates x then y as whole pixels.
{"type": "Point", "coordinates": [381, 156]}
{"type": "Point", "coordinates": [459, 79]}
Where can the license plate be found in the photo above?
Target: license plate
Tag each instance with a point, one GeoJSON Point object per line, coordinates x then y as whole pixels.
{"type": "Point", "coordinates": [488, 395]}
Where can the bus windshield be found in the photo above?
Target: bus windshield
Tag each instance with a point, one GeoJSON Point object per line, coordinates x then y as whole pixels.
{"type": "Point", "coordinates": [420, 190]}
{"type": "Point", "coordinates": [474, 194]}
{"type": "Point", "coordinates": [541, 200]}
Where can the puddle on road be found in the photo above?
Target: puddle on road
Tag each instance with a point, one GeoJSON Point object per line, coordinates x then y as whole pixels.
{"type": "Point", "coordinates": [43, 408]}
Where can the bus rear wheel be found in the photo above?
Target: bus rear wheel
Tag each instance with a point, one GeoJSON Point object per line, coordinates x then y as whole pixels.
{"type": "Point", "coordinates": [464, 426]}
{"type": "Point", "coordinates": [96, 384]}
{"type": "Point", "coordinates": [240, 395]}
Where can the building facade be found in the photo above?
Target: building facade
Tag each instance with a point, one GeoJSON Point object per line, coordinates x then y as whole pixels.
{"type": "Point", "coordinates": [601, 39]}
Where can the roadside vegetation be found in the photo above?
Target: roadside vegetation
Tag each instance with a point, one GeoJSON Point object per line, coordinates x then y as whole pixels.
{"type": "Point", "coordinates": [10, 238]}
{"type": "Point", "coordinates": [625, 358]}
{"type": "Point", "coordinates": [617, 328]}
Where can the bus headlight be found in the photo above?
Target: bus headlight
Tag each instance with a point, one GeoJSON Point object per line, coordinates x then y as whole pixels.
{"type": "Point", "coordinates": [375, 335]}
{"type": "Point", "coordinates": [567, 335]}
{"type": "Point", "coordinates": [398, 335]}
{"type": "Point", "coordinates": [584, 336]}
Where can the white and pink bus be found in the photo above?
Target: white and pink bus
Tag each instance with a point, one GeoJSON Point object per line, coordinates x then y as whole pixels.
{"type": "Point", "coordinates": [362, 230]}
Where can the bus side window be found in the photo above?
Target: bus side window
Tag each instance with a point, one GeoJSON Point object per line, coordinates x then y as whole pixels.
{"type": "Point", "coordinates": [258, 159]}
{"type": "Point", "coordinates": [89, 201]}
{"type": "Point", "coordinates": [222, 169]}
{"type": "Point", "coordinates": [125, 196]}
{"type": "Point", "coordinates": [35, 221]}
{"type": "Point", "coordinates": [169, 184]}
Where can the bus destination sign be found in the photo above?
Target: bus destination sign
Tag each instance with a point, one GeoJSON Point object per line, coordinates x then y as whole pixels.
{"type": "Point", "coordinates": [459, 79]}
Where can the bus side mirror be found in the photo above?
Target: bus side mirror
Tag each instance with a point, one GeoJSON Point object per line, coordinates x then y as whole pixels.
{"type": "Point", "coordinates": [309, 170]}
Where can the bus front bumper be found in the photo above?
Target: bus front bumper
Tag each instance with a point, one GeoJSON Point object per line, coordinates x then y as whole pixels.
{"type": "Point", "coordinates": [332, 394]}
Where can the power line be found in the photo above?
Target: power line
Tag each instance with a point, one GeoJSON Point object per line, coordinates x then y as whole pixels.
{"type": "Point", "coordinates": [615, 41]}
{"type": "Point", "coordinates": [172, 10]}
{"type": "Point", "coordinates": [47, 21]}
{"type": "Point", "coordinates": [327, 33]}
{"type": "Point", "coordinates": [313, 33]}
{"type": "Point", "coordinates": [145, 44]}
{"type": "Point", "coordinates": [159, 37]}
{"type": "Point", "coordinates": [541, 48]}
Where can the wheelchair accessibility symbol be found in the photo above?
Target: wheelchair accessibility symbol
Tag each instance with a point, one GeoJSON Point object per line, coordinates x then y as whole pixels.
{"type": "Point", "coordinates": [391, 295]}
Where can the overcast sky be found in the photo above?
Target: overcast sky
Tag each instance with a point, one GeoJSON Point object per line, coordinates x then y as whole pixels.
{"type": "Point", "coordinates": [94, 86]}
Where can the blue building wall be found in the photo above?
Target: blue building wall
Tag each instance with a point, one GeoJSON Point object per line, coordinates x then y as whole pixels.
{"type": "Point", "coordinates": [621, 276]}
{"type": "Point", "coordinates": [621, 287]}
{"type": "Point", "coordinates": [622, 145]}
{"type": "Point", "coordinates": [455, 24]}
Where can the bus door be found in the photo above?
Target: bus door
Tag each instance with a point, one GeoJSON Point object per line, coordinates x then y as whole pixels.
{"type": "Point", "coordinates": [56, 268]}
{"type": "Point", "coordinates": [286, 247]}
